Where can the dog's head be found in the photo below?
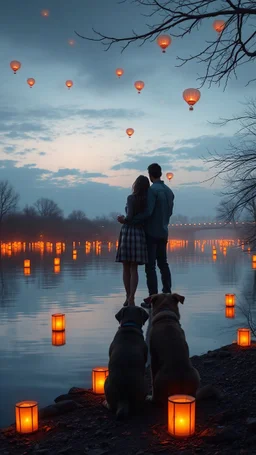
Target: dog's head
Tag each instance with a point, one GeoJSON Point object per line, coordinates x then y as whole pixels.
{"type": "Point", "coordinates": [162, 302]}
{"type": "Point", "coordinates": [132, 314]}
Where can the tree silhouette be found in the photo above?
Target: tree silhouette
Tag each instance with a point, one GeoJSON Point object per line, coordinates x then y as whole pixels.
{"type": "Point", "coordinates": [232, 47]}
{"type": "Point", "coordinates": [48, 208]}
{"type": "Point", "coordinates": [77, 215]}
{"type": "Point", "coordinates": [8, 199]}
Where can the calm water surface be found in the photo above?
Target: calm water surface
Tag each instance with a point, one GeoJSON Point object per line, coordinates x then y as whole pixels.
{"type": "Point", "coordinates": [88, 289]}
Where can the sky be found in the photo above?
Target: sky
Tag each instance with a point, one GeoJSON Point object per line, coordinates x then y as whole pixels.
{"type": "Point", "coordinates": [71, 145]}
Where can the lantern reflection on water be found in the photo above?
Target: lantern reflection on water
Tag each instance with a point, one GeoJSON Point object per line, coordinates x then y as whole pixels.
{"type": "Point", "coordinates": [26, 416]}
{"type": "Point", "coordinates": [56, 269]}
{"type": "Point", "coordinates": [181, 415]}
{"type": "Point", "coordinates": [99, 375]}
{"type": "Point", "coordinates": [58, 338]}
{"type": "Point", "coordinates": [230, 312]}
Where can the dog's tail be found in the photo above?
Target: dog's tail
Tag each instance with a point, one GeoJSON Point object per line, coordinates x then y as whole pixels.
{"type": "Point", "coordinates": [122, 410]}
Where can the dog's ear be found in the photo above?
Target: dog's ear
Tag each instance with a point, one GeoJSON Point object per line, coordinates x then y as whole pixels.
{"type": "Point", "coordinates": [120, 314]}
{"type": "Point", "coordinates": [153, 299]}
{"type": "Point", "coordinates": [179, 298]}
{"type": "Point", "coordinates": [144, 315]}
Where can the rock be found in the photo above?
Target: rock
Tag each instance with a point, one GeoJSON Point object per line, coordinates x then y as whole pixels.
{"type": "Point", "coordinates": [208, 392]}
{"type": "Point", "coordinates": [251, 423]}
{"type": "Point", "coordinates": [78, 390]}
{"type": "Point", "coordinates": [224, 354]}
{"type": "Point", "coordinates": [251, 441]}
{"type": "Point", "coordinates": [67, 396]}
{"type": "Point", "coordinates": [223, 435]}
{"type": "Point", "coordinates": [209, 362]}
{"type": "Point", "coordinates": [68, 449]}
{"type": "Point", "coordinates": [41, 451]}
{"type": "Point", "coordinates": [59, 408]}
{"type": "Point", "coordinates": [48, 411]}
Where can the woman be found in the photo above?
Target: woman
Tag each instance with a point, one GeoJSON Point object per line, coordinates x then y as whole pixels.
{"type": "Point", "coordinates": [132, 248]}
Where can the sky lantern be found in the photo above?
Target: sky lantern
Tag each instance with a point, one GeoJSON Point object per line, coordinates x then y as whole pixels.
{"type": "Point", "coordinates": [219, 25]}
{"type": "Point", "coordinates": [71, 42]}
{"type": "Point", "coordinates": [139, 85]}
{"type": "Point", "coordinates": [169, 175]}
{"type": "Point", "coordinates": [31, 82]}
{"type": "Point", "coordinates": [164, 41]}
{"type": "Point", "coordinates": [130, 132]}
{"type": "Point", "coordinates": [119, 72]}
{"type": "Point", "coordinates": [45, 13]}
{"type": "Point", "coordinates": [191, 96]}
{"type": "Point", "coordinates": [15, 66]}
{"type": "Point", "coordinates": [69, 84]}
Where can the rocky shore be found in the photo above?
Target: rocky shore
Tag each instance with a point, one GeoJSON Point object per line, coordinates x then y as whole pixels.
{"type": "Point", "coordinates": [77, 423]}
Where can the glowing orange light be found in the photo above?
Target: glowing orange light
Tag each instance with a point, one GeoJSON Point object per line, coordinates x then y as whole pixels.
{"type": "Point", "coordinates": [58, 322]}
{"type": "Point", "coordinates": [219, 25]}
{"type": "Point", "coordinates": [119, 72]}
{"type": "Point", "coordinates": [56, 261]}
{"type": "Point", "coordinates": [230, 299]}
{"type": "Point", "coordinates": [169, 175]}
{"type": "Point", "coordinates": [45, 13]}
{"type": "Point", "coordinates": [58, 338]}
{"type": "Point", "coordinates": [191, 96]}
{"type": "Point", "coordinates": [26, 416]}
{"type": "Point", "coordinates": [254, 258]}
{"type": "Point", "coordinates": [69, 84]}
{"type": "Point", "coordinates": [71, 42]}
{"type": "Point", "coordinates": [26, 263]}
{"type": "Point", "coordinates": [164, 41]}
{"type": "Point", "coordinates": [244, 337]}
{"type": "Point", "coordinates": [99, 375]}
{"type": "Point", "coordinates": [31, 82]}
{"type": "Point", "coordinates": [56, 269]}
{"type": "Point", "coordinates": [130, 132]}
{"type": "Point", "coordinates": [15, 66]}
{"type": "Point", "coordinates": [230, 312]}
{"type": "Point", "coordinates": [139, 85]}
{"type": "Point", "coordinates": [181, 415]}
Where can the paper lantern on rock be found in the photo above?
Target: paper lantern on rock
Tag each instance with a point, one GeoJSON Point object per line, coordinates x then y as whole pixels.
{"type": "Point", "coordinates": [244, 337]}
{"type": "Point", "coordinates": [164, 41]}
{"type": "Point", "coordinates": [58, 338]}
{"type": "Point", "coordinates": [219, 25]}
{"type": "Point", "coordinates": [31, 82]}
{"type": "Point", "coordinates": [119, 72]}
{"type": "Point", "coordinates": [99, 375]}
{"type": "Point", "coordinates": [15, 66]}
{"type": "Point", "coordinates": [191, 96]}
{"type": "Point", "coordinates": [26, 416]}
{"type": "Point", "coordinates": [26, 263]}
{"type": "Point", "coordinates": [169, 175]}
{"type": "Point", "coordinates": [58, 322]}
{"type": "Point", "coordinates": [130, 132]}
{"type": "Point", "coordinates": [230, 299]}
{"type": "Point", "coordinates": [181, 415]}
{"type": "Point", "coordinates": [69, 84]}
{"type": "Point", "coordinates": [230, 312]}
{"type": "Point", "coordinates": [139, 85]}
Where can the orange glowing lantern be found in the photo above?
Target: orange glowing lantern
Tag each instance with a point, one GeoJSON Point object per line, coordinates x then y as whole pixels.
{"type": "Point", "coordinates": [31, 82]}
{"type": "Point", "coordinates": [139, 85]}
{"type": "Point", "coordinates": [191, 96]}
{"type": "Point", "coordinates": [164, 41]}
{"type": "Point", "coordinates": [45, 13]}
{"type": "Point", "coordinates": [99, 376]}
{"type": "Point", "coordinates": [58, 338]}
{"type": "Point", "coordinates": [230, 312]}
{"type": "Point", "coordinates": [254, 258]}
{"type": "Point", "coordinates": [244, 337]}
{"type": "Point", "coordinates": [69, 84]}
{"type": "Point", "coordinates": [26, 263]}
{"type": "Point", "coordinates": [56, 261]}
{"type": "Point", "coordinates": [15, 66]}
{"type": "Point", "coordinates": [254, 265]}
{"type": "Point", "coordinates": [169, 175]}
{"type": "Point", "coordinates": [119, 72]}
{"type": "Point", "coordinates": [27, 271]}
{"type": "Point", "coordinates": [130, 132]}
{"type": "Point", "coordinates": [181, 415]}
{"type": "Point", "coordinates": [219, 25]}
{"type": "Point", "coordinates": [58, 322]}
{"type": "Point", "coordinates": [71, 42]}
{"type": "Point", "coordinates": [26, 416]}
{"type": "Point", "coordinates": [230, 299]}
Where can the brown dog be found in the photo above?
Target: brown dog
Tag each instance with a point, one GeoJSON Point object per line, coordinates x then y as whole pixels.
{"type": "Point", "coordinates": [125, 387]}
{"type": "Point", "coordinates": [172, 370]}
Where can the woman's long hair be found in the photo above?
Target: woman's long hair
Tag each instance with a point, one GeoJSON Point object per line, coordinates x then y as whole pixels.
{"type": "Point", "coordinates": [140, 191]}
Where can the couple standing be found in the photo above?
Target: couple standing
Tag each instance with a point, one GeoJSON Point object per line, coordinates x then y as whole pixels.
{"type": "Point", "coordinates": [144, 234]}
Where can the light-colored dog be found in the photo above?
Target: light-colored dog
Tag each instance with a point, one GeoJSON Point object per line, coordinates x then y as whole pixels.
{"type": "Point", "coordinates": [172, 370]}
{"type": "Point", "coordinates": [125, 387]}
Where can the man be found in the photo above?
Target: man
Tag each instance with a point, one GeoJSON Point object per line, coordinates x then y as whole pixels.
{"type": "Point", "coordinates": [156, 218]}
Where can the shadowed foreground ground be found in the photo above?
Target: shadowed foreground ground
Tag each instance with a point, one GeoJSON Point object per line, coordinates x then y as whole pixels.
{"type": "Point", "coordinates": [226, 424]}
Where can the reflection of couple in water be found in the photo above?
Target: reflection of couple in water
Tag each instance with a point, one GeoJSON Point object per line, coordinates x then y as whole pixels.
{"type": "Point", "coordinates": [144, 234]}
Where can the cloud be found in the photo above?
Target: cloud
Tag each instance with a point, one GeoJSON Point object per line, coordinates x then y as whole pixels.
{"type": "Point", "coordinates": [192, 168]}
{"type": "Point", "coordinates": [9, 149]}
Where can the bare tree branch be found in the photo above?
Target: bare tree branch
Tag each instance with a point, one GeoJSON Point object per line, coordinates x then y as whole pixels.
{"type": "Point", "coordinates": [233, 47]}
{"type": "Point", "coordinates": [8, 199]}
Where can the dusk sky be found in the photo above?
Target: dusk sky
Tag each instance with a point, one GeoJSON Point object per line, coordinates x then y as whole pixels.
{"type": "Point", "coordinates": [71, 145]}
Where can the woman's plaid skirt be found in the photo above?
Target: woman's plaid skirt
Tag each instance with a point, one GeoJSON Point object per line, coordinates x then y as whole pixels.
{"type": "Point", "coordinates": [132, 245]}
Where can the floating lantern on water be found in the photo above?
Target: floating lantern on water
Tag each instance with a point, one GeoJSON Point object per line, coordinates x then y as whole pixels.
{"type": "Point", "coordinates": [230, 312]}
{"type": "Point", "coordinates": [181, 415]}
{"type": "Point", "coordinates": [15, 66]}
{"type": "Point", "coordinates": [27, 271]}
{"type": "Point", "coordinates": [26, 416]}
{"type": "Point", "coordinates": [164, 41]}
{"type": "Point", "coordinates": [26, 263]}
{"type": "Point", "coordinates": [244, 337]}
{"type": "Point", "coordinates": [254, 258]}
{"type": "Point", "coordinates": [119, 72]}
{"type": "Point", "coordinates": [31, 81]}
{"type": "Point", "coordinates": [58, 322]}
{"type": "Point", "coordinates": [230, 299]}
{"type": "Point", "coordinates": [58, 338]}
{"type": "Point", "coordinates": [191, 96]}
{"type": "Point", "coordinates": [219, 25]}
{"type": "Point", "coordinates": [99, 375]}
{"type": "Point", "coordinates": [56, 261]}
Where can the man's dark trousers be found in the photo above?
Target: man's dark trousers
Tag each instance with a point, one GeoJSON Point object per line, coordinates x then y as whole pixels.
{"type": "Point", "coordinates": [157, 253]}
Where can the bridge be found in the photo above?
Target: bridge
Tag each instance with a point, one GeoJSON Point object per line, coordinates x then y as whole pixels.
{"type": "Point", "coordinates": [190, 229]}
